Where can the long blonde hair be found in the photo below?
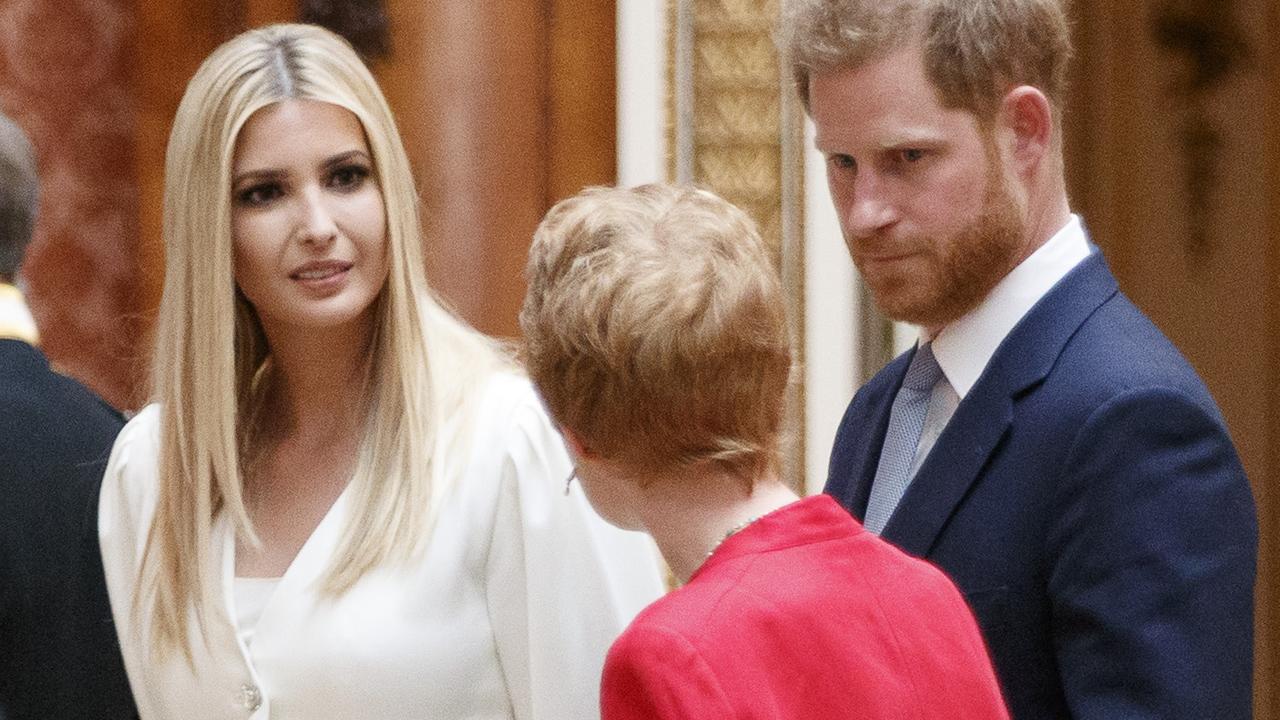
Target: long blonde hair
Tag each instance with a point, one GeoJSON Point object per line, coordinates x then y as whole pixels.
{"type": "Point", "coordinates": [210, 349]}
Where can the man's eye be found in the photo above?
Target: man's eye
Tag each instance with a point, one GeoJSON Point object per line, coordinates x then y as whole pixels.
{"type": "Point", "coordinates": [259, 194]}
{"type": "Point", "coordinates": [842, 162]}
{"type": "Point", "coordinates": [912, 155]}
{"type": "Point", "coordinates": [348, 176]}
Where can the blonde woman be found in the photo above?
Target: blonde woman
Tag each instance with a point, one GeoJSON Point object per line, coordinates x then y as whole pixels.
{"type": "Point", "coordinates": [344, 503]}
{"type": "Point", "coordinates": [655, 331]}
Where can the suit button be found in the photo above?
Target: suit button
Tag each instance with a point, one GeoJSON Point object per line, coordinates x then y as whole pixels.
{"type": "Point", "coordinates": [250, 697]}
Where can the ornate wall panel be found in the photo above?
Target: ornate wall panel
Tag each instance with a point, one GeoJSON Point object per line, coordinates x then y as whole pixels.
{"type": "Point", "coordinates": [736, 130]}
{"type": "Point", "coordinates": [66, 78]}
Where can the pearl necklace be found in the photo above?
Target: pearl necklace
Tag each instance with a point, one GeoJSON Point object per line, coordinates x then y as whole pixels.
{"type": "Point", "coordinates": [730, 533]}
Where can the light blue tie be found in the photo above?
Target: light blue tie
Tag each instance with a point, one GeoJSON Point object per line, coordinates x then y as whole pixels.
{"type": "Point", "coordinates": [906, 420]}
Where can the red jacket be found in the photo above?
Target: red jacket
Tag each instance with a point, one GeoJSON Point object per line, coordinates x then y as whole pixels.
{"type": "Point", "coordinates": [804, 615]}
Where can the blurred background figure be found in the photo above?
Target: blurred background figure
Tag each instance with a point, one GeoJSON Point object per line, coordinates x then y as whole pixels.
{"type": "Point", "coordinates": [345, 502]}
{"type": "Point", "coordinates": [58, 646]}
{"type": "Point", "coordinates": [656, 332]}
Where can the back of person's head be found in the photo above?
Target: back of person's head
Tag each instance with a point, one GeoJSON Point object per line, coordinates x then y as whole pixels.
{"type": "Point", "coordinates": [974, 50]}
{"type": "Point", "coordinates": [655, 328]}
{"type": "Point", "coordinates": [18, 197]}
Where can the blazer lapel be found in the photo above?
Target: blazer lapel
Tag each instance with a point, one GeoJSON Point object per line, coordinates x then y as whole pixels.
{"type": "Point", "coordinates": [983, 418]}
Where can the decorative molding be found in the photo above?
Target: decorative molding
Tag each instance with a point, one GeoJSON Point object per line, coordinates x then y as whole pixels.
{"type": "Point", "coordinates": [1206, 36]}
{"type": "Point", "coordinates": [643, 113]}
{"type": "Point", "coordinates": [737, 114]}
{"type": "Point", "coordinates": [735, 132]}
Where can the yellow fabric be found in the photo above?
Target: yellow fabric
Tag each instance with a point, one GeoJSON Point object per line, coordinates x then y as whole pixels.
{"type": "Point", "coordinates": [15, 319]}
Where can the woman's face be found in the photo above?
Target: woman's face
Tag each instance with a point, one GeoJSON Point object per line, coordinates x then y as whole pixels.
{"type": "Point", "coordinates": [307, 220]}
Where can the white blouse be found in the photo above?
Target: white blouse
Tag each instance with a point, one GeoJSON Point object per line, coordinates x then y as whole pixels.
{"type": "Point", "coordinates": [250, 596]}
{"type": "Point", "coordinates": [508, 614]}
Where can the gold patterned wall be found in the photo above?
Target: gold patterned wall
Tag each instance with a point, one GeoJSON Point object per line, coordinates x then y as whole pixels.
{"type": "Point", "coordinates": [737, 119]}
{"type": "Point", "coordinates": [735, 129]}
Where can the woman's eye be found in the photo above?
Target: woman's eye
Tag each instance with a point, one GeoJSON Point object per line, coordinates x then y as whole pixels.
{"type": "Point", "coordinates": [259, 194]}
{"type": "Point", "coordinates": [348, 176]}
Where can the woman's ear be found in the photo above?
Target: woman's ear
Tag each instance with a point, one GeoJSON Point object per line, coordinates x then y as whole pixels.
{"type": "Point", "coordinates": [1026, 119]}
{"type": "Point", "coordinates": [578, 447]}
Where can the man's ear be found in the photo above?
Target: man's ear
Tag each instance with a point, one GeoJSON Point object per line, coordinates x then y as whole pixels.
{"type": "Point", "coordinates": [1026, 118]}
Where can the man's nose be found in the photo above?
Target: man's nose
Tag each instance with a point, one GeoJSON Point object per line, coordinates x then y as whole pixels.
{"type": "Point", "coordinates": [870, 208]}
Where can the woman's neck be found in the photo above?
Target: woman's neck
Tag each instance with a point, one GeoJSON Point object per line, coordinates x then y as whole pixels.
{"type": "Point", "coordinates": [307, 438]}
{"type": "Point", "coordinates": [319, 383]}
{"type": "Point", "coordinates": [691, 512]}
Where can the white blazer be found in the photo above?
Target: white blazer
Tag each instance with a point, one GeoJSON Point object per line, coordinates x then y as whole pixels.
{"type": "Point", "coordinates": [508, 614]}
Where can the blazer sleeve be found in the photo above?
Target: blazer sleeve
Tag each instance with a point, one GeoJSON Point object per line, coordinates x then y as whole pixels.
{"type": "Point", "coordinates": [1154, 544]}
{"type": "Point", "coordinates": [562, 584]}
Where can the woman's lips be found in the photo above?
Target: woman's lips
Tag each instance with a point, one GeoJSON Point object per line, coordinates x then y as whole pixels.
{"type": "Point", "coordinates": [321, 275]}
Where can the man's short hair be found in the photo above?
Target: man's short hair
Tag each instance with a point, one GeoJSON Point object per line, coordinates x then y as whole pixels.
{"type": "Point", "coordinates": [18, 196]}
{"type": "Point", "coordinates": [974, 50]}
{"type": "Point", "coordinates": [655, 328]}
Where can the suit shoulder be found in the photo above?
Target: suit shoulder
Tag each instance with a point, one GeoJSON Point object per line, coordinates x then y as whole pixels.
{"type": "Point", "coordinates": [53, 427]}
{"type": "Point", "coordinates": [42, 397]}
{"type": "Point", "coordinates": [88, 403]}
{"type": "Point", "coordinates": [1121, 339]}
{"type": "Point", "coordinates": [892, 573]}
{"type": "Point", "coordinates": [1118, 352]}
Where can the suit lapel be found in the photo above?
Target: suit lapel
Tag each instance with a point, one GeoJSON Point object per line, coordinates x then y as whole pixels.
{"type": "Point", "coordinates": [971, 436]}
{"type": "Point", "coordinates": [985, 415]}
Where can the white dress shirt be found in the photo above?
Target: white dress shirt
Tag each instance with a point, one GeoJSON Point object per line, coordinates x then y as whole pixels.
{"type": "Point", "coordinates": [964, 348]}
{"type": "Point", "coordinates": [15, 318]}
{"type": "Point", "coordinates": [508, 614]}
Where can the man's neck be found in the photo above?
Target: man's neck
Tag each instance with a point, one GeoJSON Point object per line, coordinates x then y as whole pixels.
{"type": "Point", "coordinates": [1044, 222]}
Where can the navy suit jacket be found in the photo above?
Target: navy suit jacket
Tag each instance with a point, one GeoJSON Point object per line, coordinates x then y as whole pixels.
{"type": "Point", "coordinates": [59, 657]}
{"type": "Point", "coordinates": [1086, 498]}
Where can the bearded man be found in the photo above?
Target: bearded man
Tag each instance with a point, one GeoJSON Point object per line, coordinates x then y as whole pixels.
{"type": "Point", "coordinates": [1044, 443]}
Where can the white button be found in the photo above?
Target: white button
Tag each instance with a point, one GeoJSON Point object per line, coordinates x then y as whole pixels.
{"type": "Point", "coordinates": [250, 697]}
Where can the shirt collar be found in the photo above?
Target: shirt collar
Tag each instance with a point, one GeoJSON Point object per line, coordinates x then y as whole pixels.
{"type": "Point", "coordinates": [15, 319]}
{"type": "Point", "coordinates": [964, 347]}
